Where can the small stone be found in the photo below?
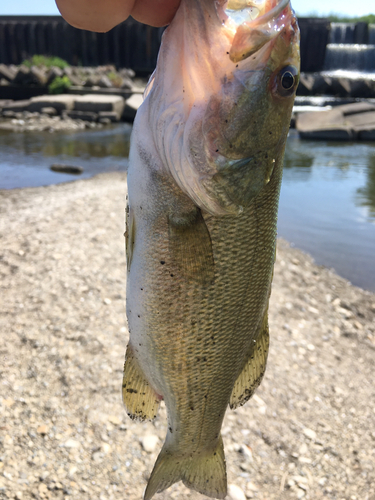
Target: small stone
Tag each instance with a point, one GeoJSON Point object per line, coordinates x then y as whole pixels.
{"type": "Point", "coordinates": [251, 486]}
{"type": "Point", "coordinates": [235, 492]}
{"type": "Point", "coordinates": [303, 449]}
{"type": "Point", "coordinates": [8, 402]}
{"type": "Point", "coordinates": [149, 442]}
{"type": "Point", "coordinates": [18, 495]}
{"type": "Point", "coordinates": [42, 429]}
{"type": "Point", "coordinates": [106, 448]}
{"type": "Point", "coordinates": [114, 420]}
{"type": "Point", "coordinates": [309, 433]}
{"type": "Point", "coordinates": [72, 443]}
{"type": "Point", "coordinates": [107, 301]}
{"type": "Point", "coordinates": [8, 440]}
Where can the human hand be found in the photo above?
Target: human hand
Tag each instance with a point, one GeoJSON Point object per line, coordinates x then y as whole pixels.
{"type": "Point", "coordinates": [103, 15]}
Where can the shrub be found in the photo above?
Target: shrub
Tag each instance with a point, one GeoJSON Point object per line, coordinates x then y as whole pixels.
{"type": "Point", "coordinates": [39, 60]}
{"type": "Point", "coordinates": [59, 85]}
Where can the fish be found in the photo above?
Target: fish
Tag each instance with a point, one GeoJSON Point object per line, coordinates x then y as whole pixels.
{"type": "Point", "coordinates": [204, 177]}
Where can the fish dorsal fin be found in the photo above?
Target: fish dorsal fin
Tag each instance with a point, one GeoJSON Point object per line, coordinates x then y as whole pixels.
{"type": "Point", "coordinates": [252, 373]}
{"type": "Point", "coordinates": [190, 246]}
{"type": "Point", "coordinates": [140, 399]}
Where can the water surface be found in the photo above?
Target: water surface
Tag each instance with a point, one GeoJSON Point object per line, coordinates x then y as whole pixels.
{"type": "Point", "coordinates": [327, 205]}
{"type": "Point", "coordinates": [25, 158]}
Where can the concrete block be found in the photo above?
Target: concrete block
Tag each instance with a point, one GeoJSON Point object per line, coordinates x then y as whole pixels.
{"type": "Point", "coordinates": [59, 102]}
{"type": "Point", "coordinates": [17, 106]}
{"type": "Point", "coordinates": [98, 102]}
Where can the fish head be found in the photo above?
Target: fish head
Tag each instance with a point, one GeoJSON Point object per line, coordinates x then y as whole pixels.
{"type": "Point", "coordinates": [252, 108]}
{"type": "Point", "coordinates": [235, 71]}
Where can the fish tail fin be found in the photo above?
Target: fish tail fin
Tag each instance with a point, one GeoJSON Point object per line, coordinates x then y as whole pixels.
{"type": "Point", "coordinates": [205, 473]}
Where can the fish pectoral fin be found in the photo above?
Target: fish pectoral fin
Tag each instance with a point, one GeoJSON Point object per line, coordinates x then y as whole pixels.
{"type": "Point", "coordinates": [129, 235]}
{"type": "Point", "coordinates": [204, 472]}
{"type": "Point", "coordinates": [252, 373]}
{"type": "Point", "coordinates": [140, 399]}
{"type": "Point", "coordinates": [190, 246]}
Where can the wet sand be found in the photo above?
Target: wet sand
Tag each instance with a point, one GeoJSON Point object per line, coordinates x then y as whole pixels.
{"type": "Point", "coordinates": [309, 432]}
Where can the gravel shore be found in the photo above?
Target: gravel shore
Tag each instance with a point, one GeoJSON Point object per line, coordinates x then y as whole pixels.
{"type": "Point", "coordinates": [309, 432]}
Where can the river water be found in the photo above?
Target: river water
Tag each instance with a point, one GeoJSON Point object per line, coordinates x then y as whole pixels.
{"type": "Point", "coordinates": [327, 203]}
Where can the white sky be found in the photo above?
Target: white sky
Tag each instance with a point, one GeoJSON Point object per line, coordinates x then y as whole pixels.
{"type": "Point", "coordinates": [302, 7]}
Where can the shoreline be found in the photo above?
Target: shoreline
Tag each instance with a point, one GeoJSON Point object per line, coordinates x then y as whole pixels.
{"type": "Point", "coordinates": [307, 433]}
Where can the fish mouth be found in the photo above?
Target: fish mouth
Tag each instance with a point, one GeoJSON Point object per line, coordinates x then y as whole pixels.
{"type": "Point", "coordinates": [254, 24]}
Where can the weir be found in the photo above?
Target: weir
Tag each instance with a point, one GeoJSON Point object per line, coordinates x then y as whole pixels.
{"type": "Point", "coordinates": [351, 47]}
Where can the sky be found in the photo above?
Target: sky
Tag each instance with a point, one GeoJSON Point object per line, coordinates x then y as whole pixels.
{"type": "Point", "coordinates": [302, 7]}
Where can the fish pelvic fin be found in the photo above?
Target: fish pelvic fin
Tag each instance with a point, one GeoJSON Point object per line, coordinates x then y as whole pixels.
{"type": "Point", "coordinates": [252, 373]}
{"type": "Point", "coordinates": [204, 472]}
{"type": "Point", "coordinates": [140, 399]}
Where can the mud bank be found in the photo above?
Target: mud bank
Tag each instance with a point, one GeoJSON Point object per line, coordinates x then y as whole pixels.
{"type": "Point", "coordinates": [308, 433]}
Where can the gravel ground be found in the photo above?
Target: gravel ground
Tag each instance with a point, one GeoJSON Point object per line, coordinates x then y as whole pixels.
{"type": "Point", "coordinates": [308, 433]}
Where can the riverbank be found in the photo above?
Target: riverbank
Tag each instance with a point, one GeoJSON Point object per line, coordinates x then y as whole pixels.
{"type": "Point", "coordinates": [308, 432]}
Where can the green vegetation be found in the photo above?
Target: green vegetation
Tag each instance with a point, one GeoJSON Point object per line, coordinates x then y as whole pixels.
{"type": "Point", "coordinates": [59, 85]}
{"type": "Point", "coordinates": [38, 60]}
{"type": "Point", "coordinates": [370, 19]}
{"type": "Point", "coordinates": [115, 79]}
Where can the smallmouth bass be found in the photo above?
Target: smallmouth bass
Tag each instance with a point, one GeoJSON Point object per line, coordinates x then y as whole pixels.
{"type": "Point", "coordinates": [204, 179]}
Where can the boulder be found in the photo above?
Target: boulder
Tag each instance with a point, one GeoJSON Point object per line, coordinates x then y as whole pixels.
{"type": "Point", "coordinates": [7, 73]}
{"type": "Point", "coordinates": [60, 102]}
{"type": "Point", "coordinates": [342, 123]}
{"type": "Point", "coordinates": [23, 76]}
{"type": "Point", "coordinates": [17, 106]}
{"type": "Point", "coordinates": [104, 82]}
{"type": "Point", "coordinates": [54, 72]}
{"type": "Point", "coordinates": [66, 169]}
{"type": "Point", "coordinates": [37, 76]}
{"type": "Point", "coordinates": [98, 102]}
{"type": "Point", "coordinates": [127, 83]}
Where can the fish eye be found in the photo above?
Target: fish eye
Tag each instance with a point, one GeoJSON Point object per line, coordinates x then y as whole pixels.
{"type": "Point", "coordinates": [286, 81]}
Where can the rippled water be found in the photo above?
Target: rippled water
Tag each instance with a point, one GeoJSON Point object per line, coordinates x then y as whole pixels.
{"type": "Point", "coordinates": [327, 203]}
{"type": "Point", "coordinates": [25, 158]}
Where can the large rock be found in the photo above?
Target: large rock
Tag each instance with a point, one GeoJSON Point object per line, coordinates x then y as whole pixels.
{"type": "Point", "coordinates": [7, 73]}
{"type": "Point", "coordinates": [37, 76]}
{"type": "Point", "coordinates": [342, 123]}
{"type": "Point", "coordinates": [17, 106]}
{"type": "Point", "coordinates": [60, 102]}
{"type": "Point", "coordinates": [54, 72]}
{"type": "Point", "coordinates": [99, 102]}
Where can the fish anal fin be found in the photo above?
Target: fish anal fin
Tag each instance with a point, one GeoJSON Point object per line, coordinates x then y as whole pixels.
{"type": "Point", "coordinates": [204, 472]}
{"type": "Point", "coordinates": [140, 399]}
{"type": "Point", "coordinates": [190, 246]}
{"type": "Point", "coordinates": [252, 373]}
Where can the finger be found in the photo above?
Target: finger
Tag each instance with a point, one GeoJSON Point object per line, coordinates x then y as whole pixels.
{"type": "Point", "coordinates": [95, 15]}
